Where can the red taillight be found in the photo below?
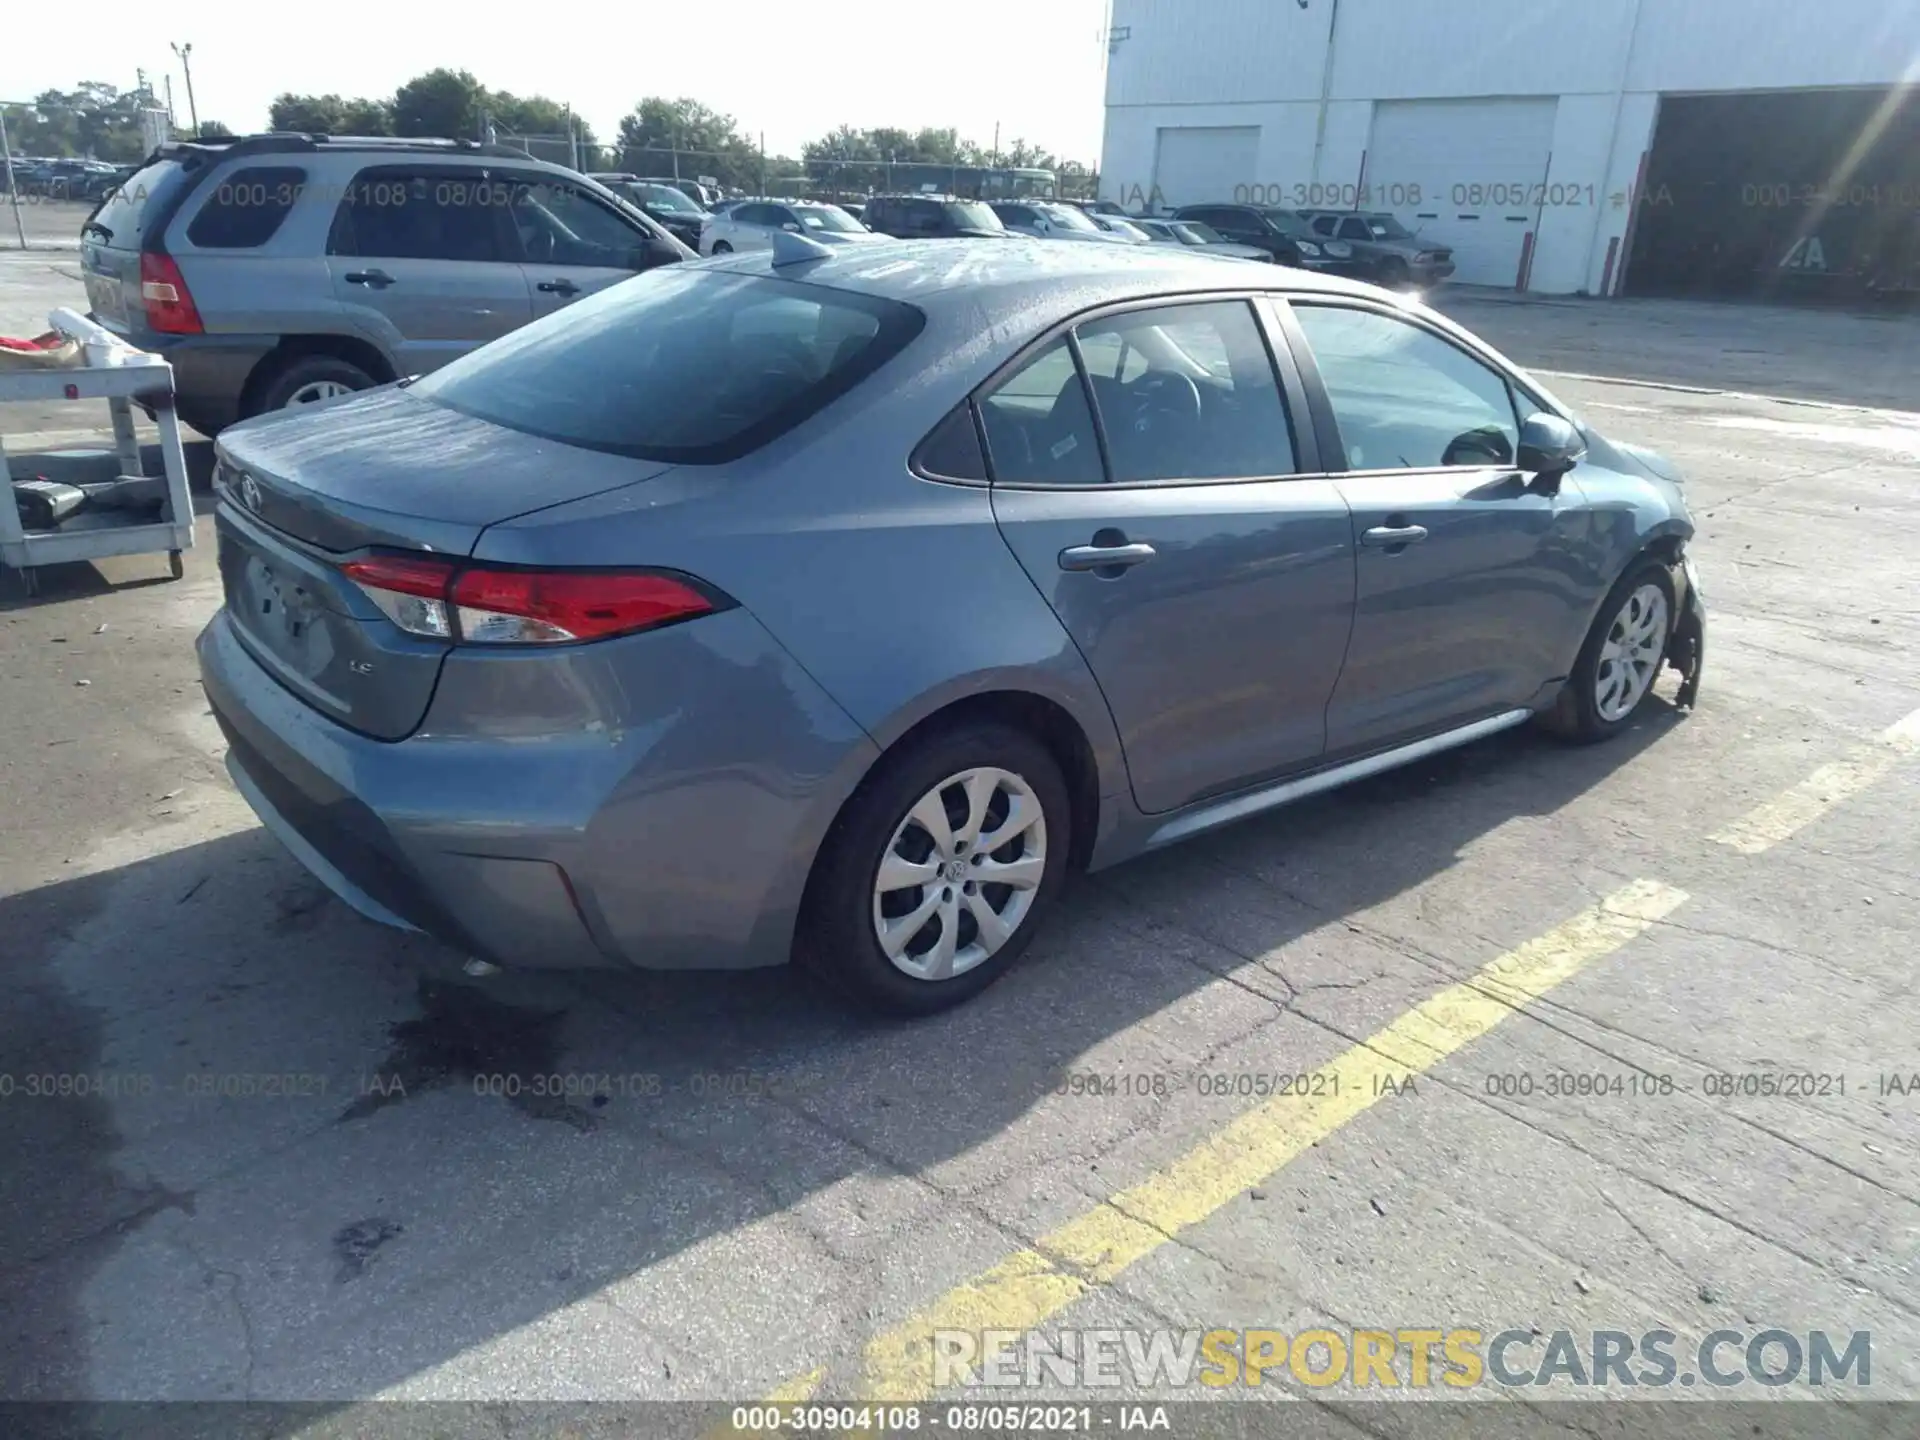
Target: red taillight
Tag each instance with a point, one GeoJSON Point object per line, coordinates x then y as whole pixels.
{"type": "Point", "coordinates": [411, 590]}
{"type": "Point", "coordinates": [519, 607]}
{"type": "Point", "coordinates": [404, 574]}
{"type": "Point", "coordinates": [163, 290]}
{"type": "Point", "coordinates": [479, 605]}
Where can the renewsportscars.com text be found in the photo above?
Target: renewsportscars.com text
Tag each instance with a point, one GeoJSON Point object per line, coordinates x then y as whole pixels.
{"type": "Point", "coordinates": [1459, 1358]}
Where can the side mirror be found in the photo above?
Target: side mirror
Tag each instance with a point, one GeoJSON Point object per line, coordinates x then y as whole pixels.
{"type": "Point", "coordinates": [791, 228]}
{"type": "Point", "coordinates": [1549, 448]}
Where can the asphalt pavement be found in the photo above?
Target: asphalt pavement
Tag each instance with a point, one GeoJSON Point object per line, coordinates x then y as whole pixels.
{"type": "Point", "coordinates": [302, 1158]}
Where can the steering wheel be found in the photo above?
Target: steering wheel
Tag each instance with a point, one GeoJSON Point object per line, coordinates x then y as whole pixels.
{"type": "Point", "coordinates": [538, 240]}
{"type": "Point", "coordinates": [1164, 395]}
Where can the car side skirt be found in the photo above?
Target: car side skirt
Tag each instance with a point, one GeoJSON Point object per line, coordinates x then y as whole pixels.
{"type": "Point", "coordinates": [1212, 814]}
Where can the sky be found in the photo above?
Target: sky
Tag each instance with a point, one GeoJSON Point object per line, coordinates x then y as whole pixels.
{"type": "Point", "coordinates": [793, 69]}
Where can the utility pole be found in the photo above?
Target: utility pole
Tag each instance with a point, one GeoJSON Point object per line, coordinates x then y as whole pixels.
{"type": "Point", "coordinates": [13, 190]}
{"type": "Point", "coordinates": [185, 52]}
{"type": "Point", "coordinates": [1326, 90]}
{"type": "Point", "coordinates": [172, 119]}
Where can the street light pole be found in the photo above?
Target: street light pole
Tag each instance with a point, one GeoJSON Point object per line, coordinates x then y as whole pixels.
{"type": "Point", "coordinates": [13, 190]}
{"type": "Point", "coordinates": [185, 52]}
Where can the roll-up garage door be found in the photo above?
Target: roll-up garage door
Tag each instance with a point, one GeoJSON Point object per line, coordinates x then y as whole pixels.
{"type": "Point", "coordinates": [1465, 174]}
{"type": "Point", "coordinates": [1196, 164]}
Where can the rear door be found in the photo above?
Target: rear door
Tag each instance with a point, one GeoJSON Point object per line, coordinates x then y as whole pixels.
{"type": "Point", "coordinates": [570, 241]}
{"type": "Point", "coordinates": [421, 262]}
{"type": "Point", "coordinates": [1149, 477]}
{"type": "Point", "coordinates": [1468, 580]}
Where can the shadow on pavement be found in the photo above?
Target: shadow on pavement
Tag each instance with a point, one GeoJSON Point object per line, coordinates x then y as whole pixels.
{"type": "Point", "coordinates": [158, 1243]}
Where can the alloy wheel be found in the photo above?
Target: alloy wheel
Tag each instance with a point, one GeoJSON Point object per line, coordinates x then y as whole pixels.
{"type": "Point", "coordinates": [1630, 655]}
{"type": "Point", "coordinates": [315, 390]}
{"type": "Point", "coordinates": [960, 874]}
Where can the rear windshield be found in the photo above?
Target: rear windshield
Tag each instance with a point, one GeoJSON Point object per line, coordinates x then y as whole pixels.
{"type": "Point", "coordinates": [125, 209]}
{"type": "Point", "coordinates": [1290, 224]}
{"type": "Point", "coordinates": [691, 367]}
{"type": "Point", "coordinates": [971, 215]}
{"type": "Point", "coordinates": [827, 217]}
{"type": "Point", "coordinates": [665, 197]}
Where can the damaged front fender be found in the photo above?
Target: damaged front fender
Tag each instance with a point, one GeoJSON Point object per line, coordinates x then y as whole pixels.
{"type": "Point", "coordinates": [1687, 647]}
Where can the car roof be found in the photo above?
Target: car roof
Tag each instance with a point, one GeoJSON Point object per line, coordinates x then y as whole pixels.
{"type": "Point", "coordinates": [1001, 278]}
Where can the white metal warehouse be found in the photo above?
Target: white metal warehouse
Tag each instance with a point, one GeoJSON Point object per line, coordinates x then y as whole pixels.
{"type": "Point", "coordinates": [1561, 146]}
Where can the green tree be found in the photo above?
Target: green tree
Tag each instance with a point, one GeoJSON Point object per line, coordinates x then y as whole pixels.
{"type": "Point", "coordinates": [1020, 155]}
{"type": "Point", "coordinates": [534, 115]}
{"type": "Point", "coordinates": [366, 117]}
{"type": "Point", "coordinates": [443, 103]}
{"type": "Point", "coordinates": [94, 119]}
{"type": "Point", "coordinates": [308, 114]}
{"type": "Point", "coordinates": [707, 142]}
{"type": "Point", "coordinates": [213, 130]}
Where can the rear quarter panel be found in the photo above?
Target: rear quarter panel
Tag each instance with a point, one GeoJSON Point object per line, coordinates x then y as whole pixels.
{"type": "Point", "coordinates": [897, 594]}
{"type": "Point", "coordinates": [279, 288]}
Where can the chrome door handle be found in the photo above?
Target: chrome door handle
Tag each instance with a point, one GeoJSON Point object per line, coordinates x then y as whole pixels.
{"type": "Point", "coordinates": [1390, 537]}
{"type": "Point", "coordinates": [1103, 557]}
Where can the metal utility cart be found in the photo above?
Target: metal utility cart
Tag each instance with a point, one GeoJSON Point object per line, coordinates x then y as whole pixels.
{"type": "Point", "coordinates": [117, 373]}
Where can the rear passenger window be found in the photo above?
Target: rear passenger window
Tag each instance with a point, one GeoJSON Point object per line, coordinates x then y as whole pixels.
{"type": "Point", "coordinates": [404, 215]}
{"type": "Point", "coordinates": [952, 451]}
{"type": "Point", "coordinates": [1188, 392]}
{"type": "Point", "coordinates": [1039, 429]}
{"type": "Point", "coordinates": [243, 210]}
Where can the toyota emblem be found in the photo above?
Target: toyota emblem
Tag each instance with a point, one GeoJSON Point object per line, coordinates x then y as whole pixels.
{"type": "Point", "coordinates": [250, 492]}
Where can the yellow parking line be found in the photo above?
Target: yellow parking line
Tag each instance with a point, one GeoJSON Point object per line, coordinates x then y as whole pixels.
{"type": "Point", "coordinates": [1792, 810]}
{"type": "Point", "coordinates": [800, 1388]}
{"type": "Point", "coordinates": [1031, 1286]}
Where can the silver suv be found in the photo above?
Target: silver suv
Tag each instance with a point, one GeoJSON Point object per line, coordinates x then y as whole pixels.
{"type": "Point", "coordinates": [278, 270]}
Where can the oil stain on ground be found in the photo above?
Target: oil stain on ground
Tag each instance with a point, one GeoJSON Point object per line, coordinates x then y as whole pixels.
{"type": "Point", "coordinates": [354, 1245]}
{"type": "Point", "coordinates": [461, 1035]}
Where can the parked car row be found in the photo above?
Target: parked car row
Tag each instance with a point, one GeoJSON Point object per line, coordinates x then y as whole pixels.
{"type": "Point", "coordinates": [64, 179]}
{"type": "Point", "coordinates": [1367, 246]}
{"type": "Point", "coordinates": [281, 270]}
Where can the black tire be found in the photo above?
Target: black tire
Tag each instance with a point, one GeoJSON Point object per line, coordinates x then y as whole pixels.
{"type": "Point", "coordinates": [198, 420]}
{"type": "Point", "coordinates": [303, 370]}
{"type": "Point", "coordinates": [1575, 715]}
{"type": "Point", "coordinates": [1394, 274]}
{"type": "Point", "coordinates": [837, 939]}
{"type": "Point", "coordinates": [721, 247]}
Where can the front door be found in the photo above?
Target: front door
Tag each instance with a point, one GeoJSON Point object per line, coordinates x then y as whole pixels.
{"type": "Point", "coordinates": [571, 242]}
{"type": "Point", "coordinates": [1144, 473]}
{"type": "Point", "coordinates": [420, 266]}
{"type": "Point", "coordinates": [1466, 575]}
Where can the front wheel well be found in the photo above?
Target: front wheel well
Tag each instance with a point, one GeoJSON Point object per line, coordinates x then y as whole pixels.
{"type": "Point", "coordinates": [1667, 549]}
{"type": "Point", "coordinates": [294, 347]}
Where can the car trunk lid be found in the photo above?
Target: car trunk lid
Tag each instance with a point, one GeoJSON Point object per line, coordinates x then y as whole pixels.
{"type": "Point", "coordinates": [302, 493]}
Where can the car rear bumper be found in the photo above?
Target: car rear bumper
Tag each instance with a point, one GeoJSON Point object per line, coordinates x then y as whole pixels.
{"type": "Point", "coordinates": [680, 839]}
{"type": "Point", "coordinates": [210, 372]}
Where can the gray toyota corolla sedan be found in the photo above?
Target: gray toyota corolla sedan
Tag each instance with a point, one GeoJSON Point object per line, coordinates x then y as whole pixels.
{"type": "Point", "coordinates": [833, 605]}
